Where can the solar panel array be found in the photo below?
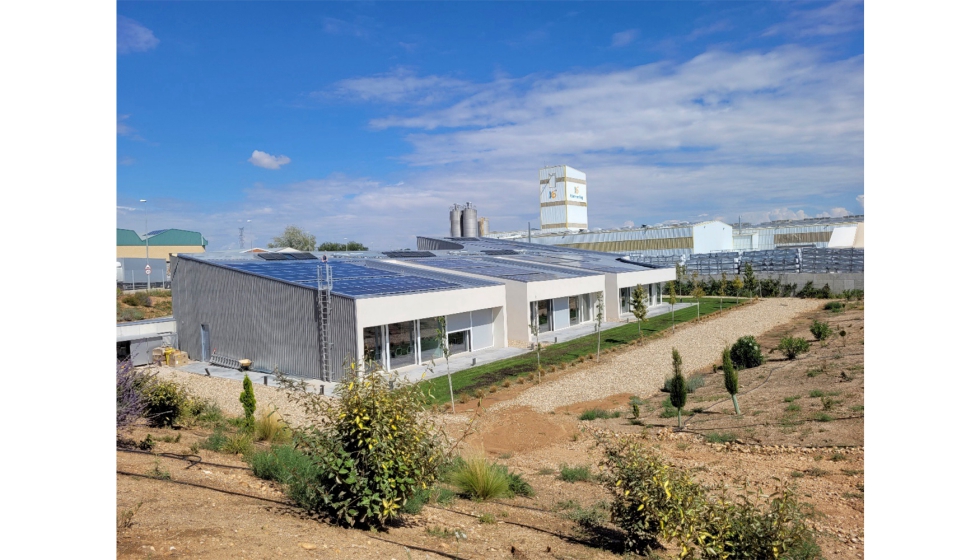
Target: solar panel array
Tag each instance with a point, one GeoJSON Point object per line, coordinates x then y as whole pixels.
{"type": "Point", "coordinates": [300, 256]}
{"type": "Point", "coordinates": [578, 262]}
{"type": "Point", "coordinates": [349, 279]}
{"type": "Point", "coordinates": [408, 254]}
{"type": "Point", "coordinates": [497, 268]}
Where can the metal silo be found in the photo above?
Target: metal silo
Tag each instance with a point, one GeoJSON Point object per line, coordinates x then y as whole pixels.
{"type": "Point", "coordinates": [471, 226]}
{"type": "Point", "coordinates": [455, 221]}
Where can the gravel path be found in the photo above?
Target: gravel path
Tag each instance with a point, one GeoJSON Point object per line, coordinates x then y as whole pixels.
{"type": "Point", "coordinates": [641, 370]}
{"type": "Point", "coordinates": [225, 392]}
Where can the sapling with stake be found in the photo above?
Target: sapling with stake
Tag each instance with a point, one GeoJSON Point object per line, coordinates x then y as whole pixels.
{"type": "Point", "coordinates": [638, 303]}
{"type": "Point", "coordinates": [731, 377]}
{"type": "Point", "coordinates": [678, 387]}
{"type": "Point", "coordinates": [446, 352]}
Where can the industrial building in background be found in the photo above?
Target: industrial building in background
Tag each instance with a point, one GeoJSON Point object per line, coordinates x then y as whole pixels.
{"type": "Point", "coordinates": [463, 221]}
{"type": "Point", "coordinates": [562, 195]}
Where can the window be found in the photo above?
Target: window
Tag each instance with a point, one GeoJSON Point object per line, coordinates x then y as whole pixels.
{"type": "Point", "coordinates": [374, 345]}
{"type": "Point", "coordinates": [585, 307]}
{"type": "Point", "coordinates": [459, 342]}
{"type": "Point", "coordinates": [624, 300]}
{"type": "Point", "coordinates": [573, 316]}
{"type": "Point", "coordinates": [401, 344]}
{"type": "Point", "coordinates": [429, 340]}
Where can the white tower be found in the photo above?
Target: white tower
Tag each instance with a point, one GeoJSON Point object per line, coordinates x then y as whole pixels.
{"type": "Point", "coordinates": [562, 196]}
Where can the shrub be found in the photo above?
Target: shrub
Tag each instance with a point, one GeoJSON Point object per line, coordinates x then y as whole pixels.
{"type": "Point", "coordinates": [731, 377]}
{"type": "Point", "coordinates": [373, 447]}
{"type": "Point", "coordinates": [820, 331]}
{"type": "Point", "coordinates": [240, 443]}
{"type": "Point", "coordinates": [719, 437]}
{"type": "Point", "coordinates": [654, 501]}
{"type": "Point", "coordinates": [746, 353]}
{"type": "Point", "coordinates": [480, 479]}
{"type": "Point", "coordinates": [589, 518]}
{"type": "Point", "coordinates": [130, 315]}
{"type": "Point", "coordinates": [216, 441]}
{"type": "Point", "coordinates": [580, 473]}
{"type": "Point", "coordinates": [791, 347]}
{"type": "Point", "coordinates": [834, 306]}
{"type": "Point", "coordinates": [695, 382]}
{"type": "Point", "coordinates": [247, 398]}
{"type": "Point", "coordinates": [270, 426]}
{"type": "Point", "coordinates": [164, 401]}
{"type": "Point", "coordinates": [130, 401]}
{"type": "Point", "coordinates": [593, 413]}
{"type": "Point", "coordinates": [201, 410]}
{"type": "Point", "coordinates": [138, 299]}
{"type": "Point", "coordinates": [518, 486]}
{"type": "Point", "coordinates": [635, 403]}
{"type": "Point", "coordinates": [678, 387]}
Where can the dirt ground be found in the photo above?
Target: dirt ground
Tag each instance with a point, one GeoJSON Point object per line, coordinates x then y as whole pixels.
{"type": "Point", "coordinates": [802, 423]}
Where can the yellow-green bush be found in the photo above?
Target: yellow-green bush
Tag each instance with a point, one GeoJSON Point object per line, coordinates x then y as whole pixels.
{"type": "Point", "coordinates": [373, 447]}
{"type": "Point", "coordinates": [653, 501]}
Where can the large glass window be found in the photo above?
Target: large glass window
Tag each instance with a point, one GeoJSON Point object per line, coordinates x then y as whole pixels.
{"type": "Point", "coordinates": [624, 300]}
{"type": "Point", "coordinates": [429, 339]}
{"type": "Point", "coordinates": [585, 307]}
{"type": "Point", "coordinates": [573, 317]}
{"type": "Point", "coordinates": [543, 310]}
{"type": "Point", "coordinates": [401, 344]}
{"type": "Point", "coordinates": [374, 345]}
{"type": "Point", "coordinates": [459, 342]}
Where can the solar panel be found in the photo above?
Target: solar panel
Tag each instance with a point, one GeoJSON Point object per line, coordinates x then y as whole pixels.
{"type": "Point", "coordinates": [272, 256]}
{"type": "Point", "coordinates": [408, 254]}
{"type": "Point", "coordinates": [499, 252]}
{"type": "Point", "coordinates": [303, 256]}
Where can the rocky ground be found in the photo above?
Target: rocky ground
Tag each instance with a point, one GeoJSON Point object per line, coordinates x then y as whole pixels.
{"type": "Point", "coordinates": [802, 424]}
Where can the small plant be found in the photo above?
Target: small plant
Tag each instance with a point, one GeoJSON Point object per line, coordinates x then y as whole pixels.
{"type": "Point", "coordinates": [815, 471]}
{"type": "Point", "coordinates": [593, 413]}
{"type": "Point", "coordinates": [580, 473]}
{"type": "Point", "coordinates": [147, 444]}
{"type": "Point", "coordinates": [817, 393]}
{"type": "Point", "coordinates": [442, 533]}
{"type": "Point", "coordinates": [834, 306]}
{"type": "Point", "coordinates": [518, 486]}
{"type": "Point", "coordinates": [270, 426]}
{"type": "Point", "coordinates": [695, 382]}
{"type": "Point", "coordinates": [170, 439]}
{"type": "Point", "coordinates": [822, 417]}
{"type": "Point", "coordinates": [492, 389]}
{"type": "Point", "coordinates": [158, 473]}
{"type": "Point", "coordinates": [480, 479]}
{"type": "Point", "coordinates": [546, 471]}
{"type": "Point", "coordinates": [746, 353]}
{"type": "Point", "coordinates": [506, 383]}
{"type": "Point", "coordinates": [829, 403]}
{"type": "Point", "coordinates": [793, 408]}
{"type": "Point", "coordinates": [791, 399]}
{"type": "Point", "coordinates": [138, 299]}
{"type": "Point", "coordinates": [589, 518]}
{"type": "Point", "coordinates": [838, 457]}
{"type": "Point", "coordinates": [130, 400]}
{"type": "Point", "coordinates": [857, 408]}
{"type": "Point", "coordinates": [820, 331]}
{"type": "Point", "coordinates": [719, 437]}
{"type": "Point", "coordinates": [239, 444]}
{"type": "Point", "coordinates": [216, 441]}
{"type": "Point", "coordinates": [247, 398]}
{"type": "Point", "coordinates": [635, 403]}
{"type": "Point", "coordinates": [791, 347]}
{"type": "Point", "coordinates": [124, 519]}
{"type": "Point", "coordinates": [487, 518]}
{"type": "Point", "coordinates": [638, 306]}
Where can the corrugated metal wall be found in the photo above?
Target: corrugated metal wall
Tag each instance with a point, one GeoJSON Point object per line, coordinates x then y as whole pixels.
{"type": "Point", "coordinates": [679, 240]}
{"type": "Point", "coordinates": [432, 244]}
{"type": "Point", "coordinates": [269, 322]}
{"type": "Point", "coordinates": [343, 329]}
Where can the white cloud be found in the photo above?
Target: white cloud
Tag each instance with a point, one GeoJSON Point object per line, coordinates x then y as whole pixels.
{"type": "Point", "coordinates": [628, 223]}
{"type": "Point", "coordinates": [840, 17]}
{"type": "Point", "coordinates": [401, 85]}
{"type": "Point", "coordinates": [123, 129]}
{"type": "Point", "coordinates": [334, 26]}
{"type": "Point", "coordinates": [860, 199]}
{"type": "Point", "coordinates": [624, 38]}
{"type": "Point", "coordinates": [132, 37]}
{"type": "Point", "coordinates": [268, 161]}
{"type": "Point", "coordinates": [834, 213]}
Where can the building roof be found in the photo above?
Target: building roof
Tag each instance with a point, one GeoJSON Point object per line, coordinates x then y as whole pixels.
{"type": "Point", "coordinates": [355, 278]}
{"type": "Point", "coordinates": [161, 237]}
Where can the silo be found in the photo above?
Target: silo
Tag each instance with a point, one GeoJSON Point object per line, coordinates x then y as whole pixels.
{"type": "Point", "coordinates": [455, 221]}
{"type": "Point", "coordinates": [471, 226]}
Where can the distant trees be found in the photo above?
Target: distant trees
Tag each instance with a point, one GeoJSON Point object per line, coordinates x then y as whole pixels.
{"type": "Point", "coordinates": [350, 246]}
{"type": "Point", "coordinates": [295, 238]}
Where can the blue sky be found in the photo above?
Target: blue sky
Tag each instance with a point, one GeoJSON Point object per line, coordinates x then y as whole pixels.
{"type": "Point", "coordinates": [368, 120]}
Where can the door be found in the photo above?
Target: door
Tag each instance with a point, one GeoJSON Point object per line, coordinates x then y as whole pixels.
{"type": "Point", "coordinates": [205, 343]}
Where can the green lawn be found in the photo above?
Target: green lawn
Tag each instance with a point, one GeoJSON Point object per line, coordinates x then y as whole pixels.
{"type": "Point", "coordinates": [471, 379]}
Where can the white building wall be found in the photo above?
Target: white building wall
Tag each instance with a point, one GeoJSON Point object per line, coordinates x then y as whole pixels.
{"type": "Point", "coordinates": [559, 310]}
{"type": "Point", "coordinates": [712, 236]}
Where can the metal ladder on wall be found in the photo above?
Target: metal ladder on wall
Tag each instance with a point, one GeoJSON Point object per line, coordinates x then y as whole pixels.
{"type": "Point", "coordinates": [324, 283]}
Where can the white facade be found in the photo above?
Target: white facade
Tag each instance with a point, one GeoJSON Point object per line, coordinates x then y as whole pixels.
{"type": "Point", "coordinates": [711, 236]}
{"type": "Point", "coordinates": [563, 198]}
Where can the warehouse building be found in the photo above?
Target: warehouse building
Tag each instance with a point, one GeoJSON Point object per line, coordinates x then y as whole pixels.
{"type": "Point", "coordinates": [159, 244]}
{"type": "Point", "coordinates": [384, 306]}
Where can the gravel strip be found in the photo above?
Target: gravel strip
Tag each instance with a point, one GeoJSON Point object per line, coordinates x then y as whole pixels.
{"type": "Point", "coordinates": [642, 369]}
{"type": "Point", "coordinates": [225, 392]}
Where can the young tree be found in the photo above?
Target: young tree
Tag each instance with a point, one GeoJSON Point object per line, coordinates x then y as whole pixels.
{"type": "Point", "coordinates": [737, 284]}
{"type": "Point", "coordinates": [600, 313]}
{"type": "Point", "coordinates": [673, 301]}
{"type": "Point", "coordinates": [295, 238]}
{"type": "Point", "coordinates": [535, 330]}
{"type": "Point", "coordinates": [247, 398]}
{"type": "Point", "coordinates": [698, 293]}
{"type": "Point", "coordinates": [678, 387]}
{"type": "Point", "coordinates": [638, 305]}
{"type": "Point", "coordinates": [724, 285]}
{"type": "Point", "coordinates": [750, 282]}
{"type": "Point", "coordinates": [731, 377]}
{"type": "Point", "coordinates": [446, 353]}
